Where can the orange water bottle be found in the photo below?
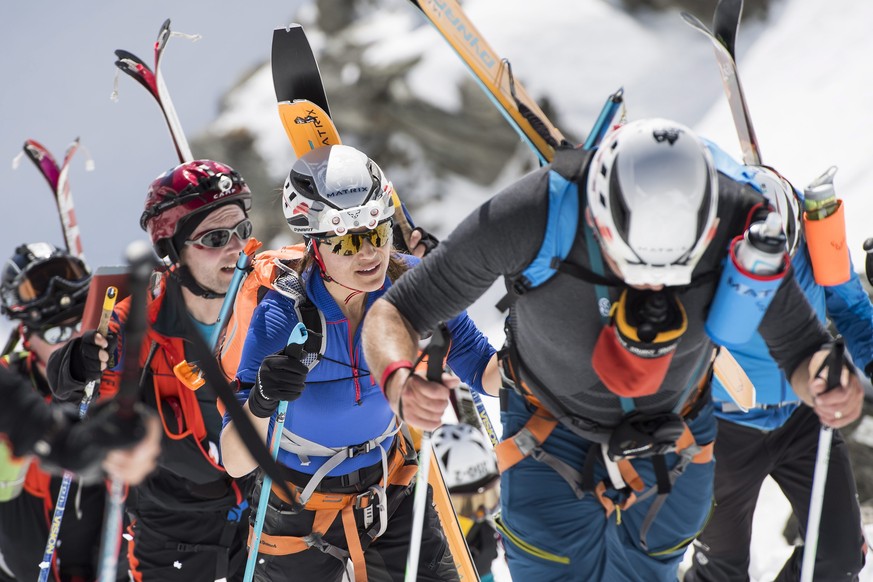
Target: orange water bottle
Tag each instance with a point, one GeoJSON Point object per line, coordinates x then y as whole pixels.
{"type": "Point", "coordinates": [824, 223]}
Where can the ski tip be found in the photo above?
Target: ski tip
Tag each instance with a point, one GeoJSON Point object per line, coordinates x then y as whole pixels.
{"type": "Point", "coordinates": [287, 27]}
{"type": "Point", "coordinates": [695, 23]}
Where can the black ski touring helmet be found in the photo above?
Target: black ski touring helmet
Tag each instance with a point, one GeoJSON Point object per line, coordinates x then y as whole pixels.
{"type": "Point", "coordinates": [43, 285]}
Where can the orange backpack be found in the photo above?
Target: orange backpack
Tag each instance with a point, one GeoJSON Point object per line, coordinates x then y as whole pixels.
{"type": "Point", "coordinates": [265, 269]}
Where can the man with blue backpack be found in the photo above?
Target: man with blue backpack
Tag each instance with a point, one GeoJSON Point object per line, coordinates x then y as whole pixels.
{"type": "Point", "coordinates": [619, 293]}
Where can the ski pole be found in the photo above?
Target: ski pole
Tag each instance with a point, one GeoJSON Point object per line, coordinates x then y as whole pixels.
{"type": "Point", "coordinates": [436, 351]}
{"type": "Point", "coordinates": [141, 261]}
{"type": "Point", "coordinates": [834, 363]}
{"type": "Point", "coordinates": [484, 418]}
{"type": "Point", "coordinates": [298, 338]}
{"type": "Point", "coordinates": [606, 119]}
{"type": "Point", "coordinates": [66, 482]}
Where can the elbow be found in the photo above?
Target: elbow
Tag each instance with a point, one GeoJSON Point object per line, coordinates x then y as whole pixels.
{"type": "Point", "coordinates": [235, 459]}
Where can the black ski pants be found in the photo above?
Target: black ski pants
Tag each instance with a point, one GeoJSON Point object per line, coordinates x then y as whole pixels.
{"type": "Point", "coordinates": [193, 546]}
{"type": "Point", "coordinates": [385, 557]}
{"type": "Point", "coordinates": [744, 458]}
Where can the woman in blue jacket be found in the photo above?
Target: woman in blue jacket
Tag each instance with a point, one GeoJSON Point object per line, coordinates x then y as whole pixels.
{"type": "Point", "coordinates": [342, 447]}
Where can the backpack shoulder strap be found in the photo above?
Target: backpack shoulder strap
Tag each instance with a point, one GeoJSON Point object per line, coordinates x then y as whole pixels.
{"type": "Point", "coordinates": [313, 319]}
{"type": "Point", "coordinates": [290, 284]}
{"type": "Point", "coordinates": [567, 171]}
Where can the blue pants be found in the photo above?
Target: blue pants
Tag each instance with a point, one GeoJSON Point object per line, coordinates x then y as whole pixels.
{"type": "Point", "coordinates": [553, 535]}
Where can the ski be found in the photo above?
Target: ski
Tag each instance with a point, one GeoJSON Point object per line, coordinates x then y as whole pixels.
{"type": "Point", "coordinates": [494, 76]}
{"type": "Point", "coordinates": [723, 36]}
{"type": "Point", "coordinates": [308, 126]}
{"type": "Point", "coordinates": [295, 70]}
{"type": "Point", "coordinates": [154, 83]}
{"type": "Point", "coordinates": [58, 178]}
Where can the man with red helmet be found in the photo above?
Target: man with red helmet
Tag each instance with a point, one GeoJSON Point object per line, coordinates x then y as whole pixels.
{"type": "Point", "coordinates": [189, 517]}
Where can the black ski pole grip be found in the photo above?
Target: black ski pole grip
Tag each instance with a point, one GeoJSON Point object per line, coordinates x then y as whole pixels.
{"type": "Point", "coordinates": [868, 263]}
{"type": "Point", "coordinates": [436, 352]}
{"type": "Point", "coordinates": [835, 361]}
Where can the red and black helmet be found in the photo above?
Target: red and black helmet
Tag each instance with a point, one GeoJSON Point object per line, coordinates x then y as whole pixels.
{"type": "Point", "coordinates": [189, 189]}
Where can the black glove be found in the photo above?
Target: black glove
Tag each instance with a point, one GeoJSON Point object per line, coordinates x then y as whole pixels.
{"type": "Point", "coordinates": [429, 241]}
{"type": "Point", "coordinates": [81, 446]}
{"type": "Point", "coordinates": [85, 356]}
{"type": "Point", "coordinates": [282, 376]}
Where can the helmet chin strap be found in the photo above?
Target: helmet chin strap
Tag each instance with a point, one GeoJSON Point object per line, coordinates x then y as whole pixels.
{"type": "Point", "coordinates": [186, 279]}
{"type": "Point", "coordinates": [316, 254]}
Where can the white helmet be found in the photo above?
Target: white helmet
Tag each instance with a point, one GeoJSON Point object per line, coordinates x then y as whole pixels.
{"type": "Point", "coordinates": [335, 189]}
{"type": "Point", "coordinates": [653, 194]}
{"type": "Point", "coordinates": [782, 197]}
{"type": "Point", "coordinates": [466, 456]}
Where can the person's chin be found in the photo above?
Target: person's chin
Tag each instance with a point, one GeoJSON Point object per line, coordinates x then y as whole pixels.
{"type": "Point", "coordinates": [371, 278]}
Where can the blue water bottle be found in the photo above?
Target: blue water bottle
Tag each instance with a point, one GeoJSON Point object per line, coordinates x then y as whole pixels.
{"type": "Point", "coordinates": [754, 271]}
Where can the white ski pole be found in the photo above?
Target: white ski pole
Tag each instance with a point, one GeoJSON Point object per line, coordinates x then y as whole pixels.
{"type": "Point", "coordinates": [822, 462]}
{"type": "Point", "coordinates": [436, 351]}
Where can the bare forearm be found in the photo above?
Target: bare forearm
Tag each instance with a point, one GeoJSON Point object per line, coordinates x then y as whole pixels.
{"type": "Point", "coordinates": [387, 338]}
{"type": "Point", "coordinates": [800, 382]}
{"type": "Point", "coordinates": [236, 457]}
{"type": "Point", "coordinates": [491, 380]}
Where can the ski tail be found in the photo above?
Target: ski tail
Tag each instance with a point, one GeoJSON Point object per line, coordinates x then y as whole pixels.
{"type": "Point", "coordinates": [64, 200]}
{"type": "Point", "coordinates": [295, 71]}
{"type": "Point", "coordinates": [136, 68]}
{"type": "Point", "coordinates": [44, 161]}
{"type": "Point", "coordinates": [57, 177]}
{"type": "Point", "coordinates": [153, 82]}
{"type": "Point", "coordinates": [726, 24]}
{"type": "Point", "coordinates": [494, 75]}
{"type": "Point", "coordinates": [183, 150]}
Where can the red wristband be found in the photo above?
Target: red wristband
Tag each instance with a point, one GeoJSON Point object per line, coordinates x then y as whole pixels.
{"type": "Point", "coordinates": [393, 367]}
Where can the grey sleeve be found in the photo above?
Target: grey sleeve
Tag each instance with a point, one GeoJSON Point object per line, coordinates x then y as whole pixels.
{"type": "Point", "coordinates": [501, 237]}
{"type": "Point", "coordinates": [790, 327]}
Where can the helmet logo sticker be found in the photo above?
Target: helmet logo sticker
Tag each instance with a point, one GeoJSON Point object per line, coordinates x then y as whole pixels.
{"type": "Point", "coordinates": [345, 191]}
{"type": "Point", "coordinates": [668, 135]}
{"type": "Point", "coordinates": [301, 208]}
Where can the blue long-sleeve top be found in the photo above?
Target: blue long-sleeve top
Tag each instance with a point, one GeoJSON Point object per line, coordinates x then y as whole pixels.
{"type": "Point", "coordinates": [846, 305]}
{"type": "Point", "coordinates": [342, 404]}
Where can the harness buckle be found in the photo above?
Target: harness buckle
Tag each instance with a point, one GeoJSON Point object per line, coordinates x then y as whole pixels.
{"type": "Point", "coordinates": [525, 441]}
{"type": "Point", "coordinates": [520, 286]}
{"type": "Point", "coordinates": [365, 499]}
{"type": "Point", "coordinates": [316, 540]}
{"type": "Point", "coordinates": [355, 450]}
